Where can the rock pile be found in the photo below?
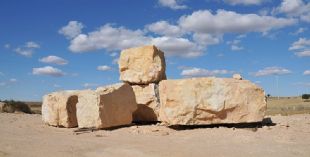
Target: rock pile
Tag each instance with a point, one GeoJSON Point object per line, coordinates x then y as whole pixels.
{"type": "Point", "coordinates": [143, 68]}
{"type": "Point", "coordinates": [145, 96]}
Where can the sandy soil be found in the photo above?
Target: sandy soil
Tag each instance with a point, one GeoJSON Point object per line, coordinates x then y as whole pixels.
{"type": "Point", "coordinates": [25, 135]}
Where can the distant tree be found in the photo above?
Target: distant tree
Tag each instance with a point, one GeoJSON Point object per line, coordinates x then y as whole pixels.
{"type": "Point", "coordinates": [268, 95]}
{"type": "Point", "coordinates": [305, 96]}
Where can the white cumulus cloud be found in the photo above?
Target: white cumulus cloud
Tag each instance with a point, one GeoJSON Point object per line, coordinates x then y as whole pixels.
{"type": "Point", "coordinates": [294, 8]}
{"type": "Point", "coordinates": [272, 71]}
{"type": "Point", "coordinates": [164, 28]}
{"type": "Point", "coordinates": [199, 72]}
{"type": "Point", "coordinates": [172, 4]}
{"type": "Point", "coordinates": [48, 70]}
{"type": "Point", "coordinates": [108, 37]}
{"type": "Point", "coordinates": [72, 29]}
{"type": "Point", "coordinates": [54, 60]}
{"type": "Point", "coordinates": [203, 21]}
{"type": "Point", "coordinates": [103, 68]}
{"type": "Point", "coordinates": [178, 46]}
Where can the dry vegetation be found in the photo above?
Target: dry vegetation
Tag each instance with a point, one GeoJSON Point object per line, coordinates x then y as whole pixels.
{"type": "Point", "coordinates": [287, 106]}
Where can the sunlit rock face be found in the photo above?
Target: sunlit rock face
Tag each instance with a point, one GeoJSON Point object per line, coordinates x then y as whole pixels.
{"type": "Point", "coordinates": [59, 109]}
{"type": "Point", "coordinates": [142, 65]}
{"type": "Point", "coordinates": [106, 107]}
{"type": "Point", "coordinates": [200, 101]}
{"type": "Point", "coordinates": [148, 103]}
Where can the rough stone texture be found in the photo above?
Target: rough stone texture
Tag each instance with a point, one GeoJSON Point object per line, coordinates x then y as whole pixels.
{"type": "Point", "coordinates": [2, 104]}
{"type": "Point", "coordinates": [199, 101]}
{"type": "Point", "coordinates": [59, 108]}
{"type": "Point", "coordinates": [237, 76]}
{"type": "Point", "coordinates": [106, 107]}
{"type": "Point", "coordinates": [148, 104]}
{"type": "Point", "coordinates": [142, 65]}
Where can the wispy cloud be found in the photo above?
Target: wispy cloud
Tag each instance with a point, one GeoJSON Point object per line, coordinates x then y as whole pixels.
{"type": "Point", "coordinates": [301, 47]}
{"type": "Point", "coordinates": [28, 49]}
{"type": "Point", "coordinates": [54, 60]}
{"type": "Point", "coordinates": [272, 71]}
{"type": "Point", "coordinates": [32, 45]}
{"type": "Point", "coordinates": [90, 85]}
{"type": "Point", "coordinates": [235, 45]}
{"type": "Point", "coordinates": [299, 31]}
{"type": "Point", "coordinates": [48, 70]}
{"type": "Point", "coordinates": [245, 2]}
{"type": "Point", "coordinates": [103, 68]}
{"type": "Point", "coordinates": [200, 72]}
{"type": "Point", "coordinates": [306, 72]}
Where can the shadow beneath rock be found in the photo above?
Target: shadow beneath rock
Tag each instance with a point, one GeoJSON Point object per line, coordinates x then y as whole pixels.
{"type": "Point", "coordinates": [93, 129]}
{"type": "Point", "coordinates": [146, 123]}
{"type": "Point", "coordinates": [252, 126]}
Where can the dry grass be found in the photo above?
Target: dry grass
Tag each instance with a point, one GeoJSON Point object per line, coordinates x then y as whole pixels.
{"type": "Point", "coordinates": [287, 106]}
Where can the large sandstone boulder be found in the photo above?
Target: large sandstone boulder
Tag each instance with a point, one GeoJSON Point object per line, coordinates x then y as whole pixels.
{"type": "Point", "coordinates": [59, 109]}
{"type": "Point", "coordinates": [142, 65]}
{"type": "Point", "coordinates": [200, 101]}
{"type": "Point", "coordinates": [148, 103]}
{"type": "Point", "coordinates": [106, 107]}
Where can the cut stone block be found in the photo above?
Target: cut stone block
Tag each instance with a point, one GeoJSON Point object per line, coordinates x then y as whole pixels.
{"type": "Point", "coordinates": [106, 107]}
{"type": "Point", "coordinates": [59, 109]}
{"type": "Point", "coordinates": [200, 101]}
{"type": "Point", "coordinates": [142, 65]}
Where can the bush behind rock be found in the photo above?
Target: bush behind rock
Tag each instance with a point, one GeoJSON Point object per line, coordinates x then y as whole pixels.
{"type": "Point", "coordinates": [11, 106]}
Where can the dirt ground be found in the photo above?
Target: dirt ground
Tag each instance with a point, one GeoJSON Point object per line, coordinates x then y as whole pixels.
{"type": "Point", "coordinates": [26, 135]}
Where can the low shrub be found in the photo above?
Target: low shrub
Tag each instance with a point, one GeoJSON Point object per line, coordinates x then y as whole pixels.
{"type": "Point", "coordinates": [305, 96]}
{"type": "Point", "coordinates": [11, 106]}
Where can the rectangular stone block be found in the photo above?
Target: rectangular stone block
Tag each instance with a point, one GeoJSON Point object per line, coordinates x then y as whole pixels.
{"type": "Point", "coordinates": [59, 109]}
{"type": "Point", "coordinates": [142, 65]}
{"type": "Point", "coordinates": [106, 107]}
{"type": "Point", "coordinates": [200, 101]}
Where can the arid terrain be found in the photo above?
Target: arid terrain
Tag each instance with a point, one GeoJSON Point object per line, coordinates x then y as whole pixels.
{"type": "Point", "coordinates": [26, 135]}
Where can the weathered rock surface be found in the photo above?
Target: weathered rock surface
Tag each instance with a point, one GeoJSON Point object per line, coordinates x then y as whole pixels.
{"type": "Point", "coordinates": [106, 107]}
{"type": "Point", "coordinates": [237, 76]}
{"type": "Point", "coordinates": [148, 104]}
{"type": "Point", "coordinates": [2, 104]}
{"type": "Point", "coordinates": [59, 108]}
{"type": "Point", "coordinates": [199, 101]}
{"type": "Point", "coordinates": [142, 65]}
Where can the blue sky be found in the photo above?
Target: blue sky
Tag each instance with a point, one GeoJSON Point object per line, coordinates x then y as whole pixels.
{"type": "Point", "coordinates": [54, 45]}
